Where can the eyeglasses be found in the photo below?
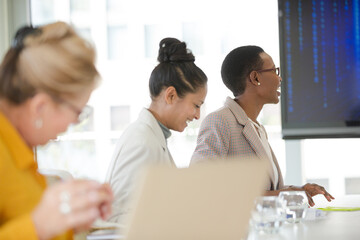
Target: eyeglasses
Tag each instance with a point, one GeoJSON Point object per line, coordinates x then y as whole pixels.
{"type": "Point", "coordinates": [81, 113]}
{"type": "Point", "coordinates": [275, 70]}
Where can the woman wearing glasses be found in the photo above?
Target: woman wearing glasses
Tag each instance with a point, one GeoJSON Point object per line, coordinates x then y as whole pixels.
{"type": "Point", "coordinates": [46, 79]}
{"type": "Point", "coordinates": [233, 130]}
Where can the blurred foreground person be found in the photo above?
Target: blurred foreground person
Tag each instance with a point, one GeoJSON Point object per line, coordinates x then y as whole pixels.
{"type": "Point", "coordinates": [46, 79]}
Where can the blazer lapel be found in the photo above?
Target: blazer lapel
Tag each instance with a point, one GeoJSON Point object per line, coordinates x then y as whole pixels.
{"type": "Point", "coordinates": [250, 134]}
{"type": "Point", "coordinates": [280, 179]}
{"type": "Point", "coordinates": [147, 117]}
{"type": "Point", "coordinates": [252, 137]}
{"type": "Point", "coordinates": [254, 141]}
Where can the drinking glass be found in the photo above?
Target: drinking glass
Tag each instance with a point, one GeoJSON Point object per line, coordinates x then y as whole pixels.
{"type": "Point", "coordinates": [268, 214]}
{"type": "Point", "coordinates": [295, 204]}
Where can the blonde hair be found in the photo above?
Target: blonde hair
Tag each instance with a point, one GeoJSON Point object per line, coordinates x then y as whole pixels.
{"type": "Point", "coordinates": [53, 59]}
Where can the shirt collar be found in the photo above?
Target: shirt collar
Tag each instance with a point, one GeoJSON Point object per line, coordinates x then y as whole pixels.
{"type": "Point", "coordinates": [165, 130]}
{"type": "Point", "coordinates": [21, 153]}
{"type": "Point", "coordinates": [257, 125]}
{"type": "Point", "coordinates": [237, 110]}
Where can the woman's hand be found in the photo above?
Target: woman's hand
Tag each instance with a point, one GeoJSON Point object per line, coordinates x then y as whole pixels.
{"type": "Point", "coordinates": [71, 205]}
{"type": "Point", "coordinates": [311, 189]}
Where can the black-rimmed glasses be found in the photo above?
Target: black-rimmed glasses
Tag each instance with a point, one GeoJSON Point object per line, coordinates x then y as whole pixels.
{"type": "Point", "coordinates": [82, 114]}
{"type": "Point", "coordinates": [275, 70]}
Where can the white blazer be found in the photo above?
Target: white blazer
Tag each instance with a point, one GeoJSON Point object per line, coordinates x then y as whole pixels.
{"type": "Point", "coordinates": [141, 144]}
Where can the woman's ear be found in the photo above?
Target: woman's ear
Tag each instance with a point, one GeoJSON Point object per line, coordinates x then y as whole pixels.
{"type": "Point", "coordinates": [254, 78]}
{"type": "Point", "coordinates": [170, 95]}
{"type": "Point", "coordinates": [38, 103]}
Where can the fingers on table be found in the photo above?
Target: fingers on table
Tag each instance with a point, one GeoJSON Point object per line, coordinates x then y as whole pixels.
{"type": "Point", "coordinates": [321, 190]}
{"type": "Point", "coordinates": [311, 201]}
{"type": "Point", "coordinates": [86, 200]}
{"type": "Point", "coordinates": [328, 196]}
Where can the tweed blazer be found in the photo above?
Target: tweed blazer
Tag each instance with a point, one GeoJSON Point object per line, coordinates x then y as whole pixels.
{"type": "Point", "coordinates": [228, 132]}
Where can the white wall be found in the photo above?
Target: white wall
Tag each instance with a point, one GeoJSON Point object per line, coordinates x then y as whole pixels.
{"type": "Point", "coordinates": [13, 14]}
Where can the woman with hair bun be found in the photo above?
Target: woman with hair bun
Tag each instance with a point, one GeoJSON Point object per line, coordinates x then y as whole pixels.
{"type": "Point", "coordinates": [177, 88]}
{"type": "Point", "coordinates": [46, 79]}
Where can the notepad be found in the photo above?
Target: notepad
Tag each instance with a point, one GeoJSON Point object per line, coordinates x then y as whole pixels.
{"type": "Point", "coordinates": [340, 209]}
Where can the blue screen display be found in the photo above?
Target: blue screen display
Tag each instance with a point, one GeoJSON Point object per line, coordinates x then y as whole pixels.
{"type": "Point", "coordinates": [320, 63]}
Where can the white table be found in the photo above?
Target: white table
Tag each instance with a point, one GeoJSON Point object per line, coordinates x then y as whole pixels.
{"type": "Point", "coordinates": [335, 225]}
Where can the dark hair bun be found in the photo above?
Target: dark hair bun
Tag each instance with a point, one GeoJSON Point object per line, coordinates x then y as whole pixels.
{"type": "Point", "coordinates": [173, 50]}
{"type": "Point", "coordinates": [22, 33]}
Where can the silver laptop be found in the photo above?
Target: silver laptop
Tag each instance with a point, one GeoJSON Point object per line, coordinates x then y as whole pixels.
{"type": "Point", "coordinates": [206, 201]}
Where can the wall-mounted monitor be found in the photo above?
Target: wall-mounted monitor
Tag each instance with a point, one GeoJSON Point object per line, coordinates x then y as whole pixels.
{"type": "Point", "coordinates": [320, 67]}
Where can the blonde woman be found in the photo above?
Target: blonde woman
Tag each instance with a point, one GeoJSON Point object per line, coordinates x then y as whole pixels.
{"type": "Point", "coordinates": [46, 79]}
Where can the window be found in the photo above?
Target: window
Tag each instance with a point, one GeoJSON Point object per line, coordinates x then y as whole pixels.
{"type": "Point", "coordinates": [127, 37]}
{"type": "Point", "coordinates": [73, 155]}
{"type": "Point", "coordinates": [44, 11]}
{"type": "Point", "coordinates": [151, 38]}
{"type": "Point", "coordinates": [85, 33]}
{"type": "Point", "coordinates": [80, 5]}
{"type": "Point", "coordinates": [120, 117]}
{"type": "Point", "coordinates": [193, 34]}
{"type": "Point", "coordinates": [117, 42]}
{"type": "Point", "coordinates": [116, 6]}
{"type": "Point", "coordinates": [352, 185]}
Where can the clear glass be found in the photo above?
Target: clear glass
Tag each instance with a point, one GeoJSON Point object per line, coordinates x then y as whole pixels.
{"type": "Point", "coordinates": [268, 215]}
{"type": "Point", "coordinates": [295, 204]}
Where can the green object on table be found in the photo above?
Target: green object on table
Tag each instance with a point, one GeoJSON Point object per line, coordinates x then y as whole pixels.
{"type": "Point", "coordinates": [340, 209]}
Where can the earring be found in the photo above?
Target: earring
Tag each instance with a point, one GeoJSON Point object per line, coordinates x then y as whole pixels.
{"type": "Point", "coordinates": [258, 84]}
{"type": "Point", "coordinates": [38, 123]}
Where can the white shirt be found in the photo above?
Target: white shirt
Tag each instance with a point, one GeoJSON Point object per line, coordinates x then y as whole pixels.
{"type": "Point", "coordinates": [263, 139]}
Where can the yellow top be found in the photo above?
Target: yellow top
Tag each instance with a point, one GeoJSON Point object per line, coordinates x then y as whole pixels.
{"type": "Point", "coordinates": [21, 186]}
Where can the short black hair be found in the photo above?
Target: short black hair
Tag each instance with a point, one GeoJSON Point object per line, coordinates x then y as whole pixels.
{"type": "Point", "coordinates": [237, 66]}
{"type": "Point", "coordinates": [176, 68]}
